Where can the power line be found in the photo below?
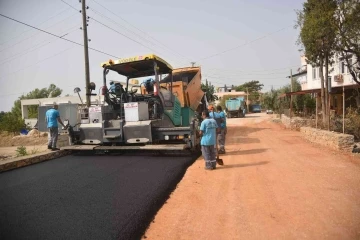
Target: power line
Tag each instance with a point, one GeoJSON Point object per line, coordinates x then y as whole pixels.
{"type": "Point", "coordinates": [249, 74]}
{"type": "Point", "coordinates": [35, 34]}
{"type": "Point", "coordinates": [57, 36]}
{"type": "Point", "coordinates": [263, 70]}
{"type": "Point", "coordinates": [70, 6]}
{"type": "Point", "coordinates": [104, 25]}
{"type": "Point", "coordinates": [121, 33]}
{"type": "Point", "coordinates": [37, 62]}
{"type": "Point", "coordinates": [140, 36]}
{"type": "Point", "coordinates": [140, 30]}
{"type": "Point", "coordinates": [40, 24]}
{"type": "Point", "coordinates": [216, 54]}
{"type": "Point", "coordinates": [38, 46]}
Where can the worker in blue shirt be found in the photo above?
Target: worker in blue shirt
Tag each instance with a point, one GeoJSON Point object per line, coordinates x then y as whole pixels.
{"type": "Point", "coordinates": [223, 129]}
{"type": "Point", "coordinates": [112, 87]}
{"type": "Point", "coordinates": [219, 120]}
{"type": "Point", "coordinates": [52, 117]}
{"type": "Point", "coordinates": [208, 131]}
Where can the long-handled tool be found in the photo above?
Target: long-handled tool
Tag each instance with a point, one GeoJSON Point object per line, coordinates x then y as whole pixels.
{"type": "Point", "coordinates": [218, 160]}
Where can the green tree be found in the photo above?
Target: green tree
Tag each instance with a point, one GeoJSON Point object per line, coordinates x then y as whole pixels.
{"type": "Point", "coordinates": [50, 92]}
{"type": "Point", "coordinates": [270, 99]}
{"type": "Point", "coordinates": [253, 87]}
{"type": "Point", "coordinates": [10, 122]}
{"type": "Point", "coordinates": [348, 35]}
{"type": "Point", "coordinates": [2, 114]}
{"type": "Point", "coordinates": [209, 91]}
{"type": "Point", "coordinates": [318, 37]}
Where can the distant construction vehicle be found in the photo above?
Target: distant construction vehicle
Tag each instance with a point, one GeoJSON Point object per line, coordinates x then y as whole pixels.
{"type": "Point", "coordinates": [235, 107]}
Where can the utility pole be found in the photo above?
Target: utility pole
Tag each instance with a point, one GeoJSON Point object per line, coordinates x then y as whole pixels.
{"type": "Point", "coordinates": [291, 96]}
{"type": "Point", "coordinates": [86, 53]}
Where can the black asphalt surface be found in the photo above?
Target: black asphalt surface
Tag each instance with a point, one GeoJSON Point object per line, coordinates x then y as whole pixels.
{"type": "Point", "coordinates": [87, 197]}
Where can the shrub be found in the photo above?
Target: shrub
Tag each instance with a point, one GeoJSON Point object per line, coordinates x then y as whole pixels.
{"type": "Point", "coordinates": [21, 151]}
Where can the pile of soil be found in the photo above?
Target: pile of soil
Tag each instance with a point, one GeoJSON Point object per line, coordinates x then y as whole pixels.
{"type": "Point", "coordinates": [34, 137]}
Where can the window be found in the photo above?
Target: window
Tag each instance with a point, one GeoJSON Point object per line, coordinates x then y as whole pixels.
{"type": "Point", "coordinates": [342, 67]}
{"type": "Point", "coordinates": [314, 73]}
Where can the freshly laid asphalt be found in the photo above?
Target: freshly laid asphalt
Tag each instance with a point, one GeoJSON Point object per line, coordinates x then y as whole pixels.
{"type": "Point", "coordinates": [87, 197]}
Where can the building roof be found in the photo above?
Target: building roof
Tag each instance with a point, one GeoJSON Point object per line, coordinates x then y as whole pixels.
{"type": "Point", "coordinates": [298, 74]}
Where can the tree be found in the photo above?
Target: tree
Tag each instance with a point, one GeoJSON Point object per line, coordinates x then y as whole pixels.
{"type": "Point", "coordinates": [209, 91]}
{"type": "Point", "coordinates": [347, 22]}
{"type": "Point", "coordinates": [50, 92]}
{"type": "Point", "coordinates": [318, 37]}
{"type": "Point", "coordinates": [10, 122]}
{"type": "Point", "coordinates": [270, 99]}
{"type": "Point", "coordinates": [253, 87]}
{"type": "Point", "coordinates": [2, 114]}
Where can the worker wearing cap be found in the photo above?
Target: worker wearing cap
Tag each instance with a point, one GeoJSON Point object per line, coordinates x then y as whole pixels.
{"type": "Point", "coordinates": [52, 117]}
{"type": "Point", "coordinates": [208, 131]}
{"type": "Point", "coordinates": [223, 129]}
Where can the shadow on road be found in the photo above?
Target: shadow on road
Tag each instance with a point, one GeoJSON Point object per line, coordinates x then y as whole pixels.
{"type": "Point", "coordinates": [245, 152]}
{"type": "Point", "coordinates": [239, 165]}
{"type": "Point", "coordinates": [242, 140]}
{"type": "Point", "coordinates": [244, 130]}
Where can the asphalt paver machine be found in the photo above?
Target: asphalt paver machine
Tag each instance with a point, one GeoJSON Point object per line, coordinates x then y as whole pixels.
{"type": "Point", "coordinates": [159, 114]}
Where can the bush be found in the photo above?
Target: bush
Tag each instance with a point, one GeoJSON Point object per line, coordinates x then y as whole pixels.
{"type": "Point", "coordinates": [21, 151]}
{"type": "Point", "coordinates": [11, 123]}
{"type": "Point", "coordinates": [353, 128]}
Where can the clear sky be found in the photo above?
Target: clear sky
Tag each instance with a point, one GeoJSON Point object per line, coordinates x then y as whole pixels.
{"type": "Point", "coordinates": [178, 31]}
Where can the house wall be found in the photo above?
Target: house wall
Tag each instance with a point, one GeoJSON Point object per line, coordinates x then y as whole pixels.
{"type": "Point", "coordinates": [313, 77]}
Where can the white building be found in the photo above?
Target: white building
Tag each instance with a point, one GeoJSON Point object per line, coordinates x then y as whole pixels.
{"type": "Point", "coordinates": [338, 76]}
{"type": "Point", "coordinates": [95, 100]}
{"type": "Point", "coordinates": [221, 92]}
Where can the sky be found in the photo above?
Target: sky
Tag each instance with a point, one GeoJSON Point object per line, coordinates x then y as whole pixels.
{"type": "Point", "coordinates": [234, 41]}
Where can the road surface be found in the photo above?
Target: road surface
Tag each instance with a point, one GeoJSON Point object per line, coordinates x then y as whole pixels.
{"type": "Point", "coordinates": [274, 185]}
{"type": "Point", "coordinates": [86, 197]}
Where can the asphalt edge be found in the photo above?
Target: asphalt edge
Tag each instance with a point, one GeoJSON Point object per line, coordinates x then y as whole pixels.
{"type": "Point", "coordinates": [163, 198]}
{"type": "Point", "coordinates": [32, 159]}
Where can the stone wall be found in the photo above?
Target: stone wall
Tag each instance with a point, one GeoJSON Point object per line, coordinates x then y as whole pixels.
{"type": "Point", "coordinates": [9, 164]}
{"type": "Point", "coordinates": [334, 140]}
{"type": "Point", "coordinates": [295, 123]}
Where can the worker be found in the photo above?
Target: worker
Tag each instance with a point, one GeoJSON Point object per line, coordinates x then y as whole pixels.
{"type": "Point", "coordinates": [52, 117]}
{"type": "Point", "coordinates": [215, 115]}
{"type": "Point", "coordinates": [208, 131]}
{"type": "Point", "coordinates": [223, 130]}
{"type": "Point", "coordinates": [112, 87]}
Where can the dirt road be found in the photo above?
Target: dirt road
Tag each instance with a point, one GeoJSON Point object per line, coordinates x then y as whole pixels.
{"type": "Point", "coordinates": [274, 185]}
